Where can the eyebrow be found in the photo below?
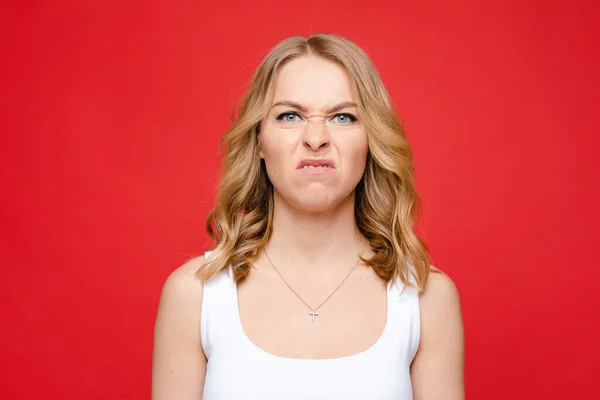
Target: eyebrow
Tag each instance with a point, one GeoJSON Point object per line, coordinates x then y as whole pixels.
{"type": "Point", "coordinates": [298, 106]}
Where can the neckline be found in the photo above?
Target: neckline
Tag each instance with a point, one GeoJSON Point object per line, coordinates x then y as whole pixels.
{"type": "Point", "coordinates": [249, 344]}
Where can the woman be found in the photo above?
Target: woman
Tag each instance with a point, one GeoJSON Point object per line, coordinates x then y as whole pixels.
{"type": "Point", "coordinates": [317, 287]}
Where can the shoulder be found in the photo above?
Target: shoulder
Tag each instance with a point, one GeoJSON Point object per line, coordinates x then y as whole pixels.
{"type": "Point", "coordinates": [440, 291]}
{"type": "Point", "coordinates": [440, 303]}
{"type": "Point", "coordinates": [178, 360]}
{"type": "Point", "coordinates": [438, 368]}
{"type": "Point", "coordinates": [441, 315]}
{"type": "Point", "coordinates": [180, 304]}
{"type": "Point", "coordinates": [183, 286]}
{"type": "Point", "coordinates": [187, 272]}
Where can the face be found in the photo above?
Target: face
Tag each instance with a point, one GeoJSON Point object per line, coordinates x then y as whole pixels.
{"type": "Point", "coordinates": [312, 140]}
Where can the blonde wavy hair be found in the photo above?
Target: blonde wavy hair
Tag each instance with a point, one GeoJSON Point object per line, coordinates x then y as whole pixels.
{"type": "Point", "coordinates": [386, 202]}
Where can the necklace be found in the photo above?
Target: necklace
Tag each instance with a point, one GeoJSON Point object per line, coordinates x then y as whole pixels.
{"type": "Point", "coordinates": [313, 310]}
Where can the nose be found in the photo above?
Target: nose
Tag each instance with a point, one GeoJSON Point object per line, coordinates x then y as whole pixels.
{"type": "Point", "coordinates": [316, 136]}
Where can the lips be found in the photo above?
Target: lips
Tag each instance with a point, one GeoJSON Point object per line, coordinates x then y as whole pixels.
{"type": "Point", "coordinates": [308, 163]}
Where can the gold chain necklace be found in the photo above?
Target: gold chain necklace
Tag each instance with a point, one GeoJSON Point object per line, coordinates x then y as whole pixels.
{"type": "Point", "coordinates": [313, 310]}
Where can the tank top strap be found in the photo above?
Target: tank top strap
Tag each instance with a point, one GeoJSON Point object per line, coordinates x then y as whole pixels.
{"type": "Point", "coordinates": [219, 303]}
{"type": "Point", "coordinates": [404, 315]}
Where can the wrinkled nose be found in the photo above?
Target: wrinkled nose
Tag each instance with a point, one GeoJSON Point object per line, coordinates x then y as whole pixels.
{"type": "Point", "coordinates": [316, 135]}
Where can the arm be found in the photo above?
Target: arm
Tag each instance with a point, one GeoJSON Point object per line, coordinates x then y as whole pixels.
{"type": "Point", "coordinates": [437, 372]}
{"type": "Point", "coordinates": [178, 361]}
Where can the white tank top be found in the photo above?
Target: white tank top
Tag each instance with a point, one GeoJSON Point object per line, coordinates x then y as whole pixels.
{"type": "Point", "coordinates": [238, 369]}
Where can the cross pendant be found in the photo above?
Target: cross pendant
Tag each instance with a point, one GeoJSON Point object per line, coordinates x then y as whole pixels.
{"type": "Point", "coordinates": [313, 314]}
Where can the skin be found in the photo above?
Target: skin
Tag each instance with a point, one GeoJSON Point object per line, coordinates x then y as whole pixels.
{"type": "Point", "coordinates": [314, 245]}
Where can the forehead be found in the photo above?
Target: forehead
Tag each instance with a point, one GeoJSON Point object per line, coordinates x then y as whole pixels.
{"type": "Point", "coordinates": [313, 82]}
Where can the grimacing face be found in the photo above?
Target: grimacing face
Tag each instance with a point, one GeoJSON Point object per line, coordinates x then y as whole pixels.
{"type": "Point", "coordinates": [312, 139]}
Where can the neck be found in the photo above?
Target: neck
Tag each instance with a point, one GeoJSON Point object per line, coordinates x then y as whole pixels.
{"type": "Point", "coordinates": [314, 240]}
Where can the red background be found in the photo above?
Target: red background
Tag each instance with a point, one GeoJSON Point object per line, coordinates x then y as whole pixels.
{"type": "Point", "coordinates": [111, 114]}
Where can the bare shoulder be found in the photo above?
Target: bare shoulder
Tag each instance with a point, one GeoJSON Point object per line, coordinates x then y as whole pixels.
{"type": "Point", "coordinates": [178, 361]}
{"type": "Point", "coordinates": [181, 302]}
{"type": "Point", "coordinates": [440, 307]}
{"type": "Point", "coordinates": [439, 291]}
{"type": "Point", "coordinates": [183, 283]}
{"type": "Point", "coordinates": [188, 270]}
{"type": "Point", "coordinates": [438, 368]}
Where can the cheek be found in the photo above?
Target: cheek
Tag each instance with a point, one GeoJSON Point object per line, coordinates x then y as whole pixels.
{"type": "Point", "coordinates": [355, 152]}
{"type": "Point", "coordinates": [277, 143]}
{"type": "Point", "coordinates": [277, 150]}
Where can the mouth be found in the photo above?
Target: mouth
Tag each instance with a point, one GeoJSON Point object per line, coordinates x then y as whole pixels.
{"type": "Point", "coordinates": [311, 164]}
{"type": "Point", "coordinates": [315, 166]}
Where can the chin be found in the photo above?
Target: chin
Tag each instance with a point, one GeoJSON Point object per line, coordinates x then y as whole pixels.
{"type": "Point", "coordinates": [314, 199]}
{"type": "Point", "coordinates": [316, 203]}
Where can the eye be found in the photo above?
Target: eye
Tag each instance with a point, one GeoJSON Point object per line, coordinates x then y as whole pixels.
{"type": "Point", "coordinates": [343, 118]}
{"type": "Point", "coordinates": [288, 117]}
